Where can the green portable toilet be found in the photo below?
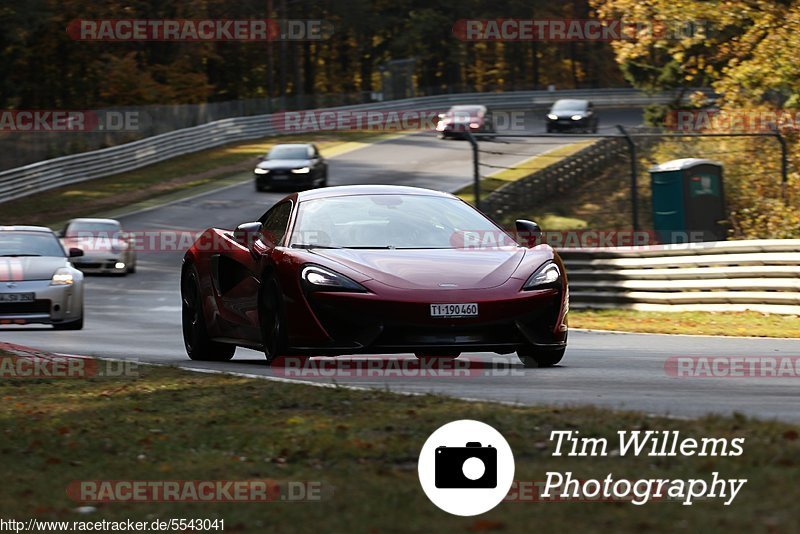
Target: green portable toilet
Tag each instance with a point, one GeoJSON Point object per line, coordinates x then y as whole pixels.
{"type": "Point", "coordinates": [688, 201]}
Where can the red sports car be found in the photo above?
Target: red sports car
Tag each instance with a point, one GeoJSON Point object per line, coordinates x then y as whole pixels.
{"type": "Point", "coordinates": [373, 269]}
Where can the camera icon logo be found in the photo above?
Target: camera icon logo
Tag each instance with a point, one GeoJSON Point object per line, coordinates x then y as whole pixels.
{"type": "Point", "coordinates": [466, 467]}
{"type": "Point", "coordinates": [472, 466]}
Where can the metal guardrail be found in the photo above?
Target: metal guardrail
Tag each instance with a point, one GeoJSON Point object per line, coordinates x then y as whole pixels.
{"type": "Point", "coordinates": [760, 275]}
{"type": "Point", "coordinates": [562, 177]}
{"type": "Point", "coordinates": [66, 170]}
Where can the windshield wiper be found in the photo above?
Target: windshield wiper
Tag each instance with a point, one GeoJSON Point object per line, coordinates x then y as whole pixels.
{"type": "Point", "coordinates": [19, 255]}
{"type": "Point", "coordinates": [387, 247]}
{"type": "Point", "coordinates": [309, 246]}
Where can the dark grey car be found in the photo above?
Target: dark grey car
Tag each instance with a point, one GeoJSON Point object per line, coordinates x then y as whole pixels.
{"type": "Point", "coordinates": [571, 115]}
{"type": "Point", "coordinates": [291, 166]}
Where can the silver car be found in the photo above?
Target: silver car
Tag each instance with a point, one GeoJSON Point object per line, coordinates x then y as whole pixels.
{"type": "Point", "coordinates": [106, 247]}
{"type": "Point", "coordinates": [38, 284]}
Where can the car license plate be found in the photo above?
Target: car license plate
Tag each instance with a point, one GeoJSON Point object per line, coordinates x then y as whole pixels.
{"type": "Point", "coordinates": [454, 310]}
{"type": "Point", "coordinates": [17, 297]}
{"type": "Point", "coordinates": [280, 177]}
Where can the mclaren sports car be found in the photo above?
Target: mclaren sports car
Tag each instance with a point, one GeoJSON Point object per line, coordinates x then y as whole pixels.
{"type": "Point", "coordinates": [374, 270]}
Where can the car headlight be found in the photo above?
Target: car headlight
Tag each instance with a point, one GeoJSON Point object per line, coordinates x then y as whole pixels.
{"type": "Point", "coordinates": [304, 170]}
{"type": "Point", "coordinates": [577, 117]}
{"type": "Point", "coordinates": [474, 125]}
{"type": "Point", "coordinates": [261, 171]}
{"type": "Point", "coordinates": [321, 278]}
{"type": "Point", "coordinates": [62, 277]}
{"type": "Point", "coordinates": [548, 275]}
{"type": "Point", "coordinates": [552, 116]}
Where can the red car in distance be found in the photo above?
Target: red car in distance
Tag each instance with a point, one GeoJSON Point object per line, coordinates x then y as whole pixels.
{"type": "Point", "coordinates": [458, 120]}
{"type": "Point", "coordinates": [373, 269]}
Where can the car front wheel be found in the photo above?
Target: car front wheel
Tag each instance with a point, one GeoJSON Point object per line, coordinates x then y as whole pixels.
{"type": "Point", "coordinates": [72, 325]}
{"type": "Point", "coordinates": [199, 346]}
{"type": "Point", "coordinates": [533, 357]}
{"type": "Point", "coordinates": [273, 333]}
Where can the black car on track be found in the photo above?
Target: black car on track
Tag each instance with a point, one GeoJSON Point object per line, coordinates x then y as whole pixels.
{"type": "Point", "coordinates": [572, 115]}
{"type": "Point", "coordinates": [291, 166]}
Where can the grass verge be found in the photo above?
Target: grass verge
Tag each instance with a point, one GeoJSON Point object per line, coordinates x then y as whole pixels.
{"type": "Point", "coordinates": [176, 425]}
{"type": "Point", "coordinates": [701, 323]}
{"type": "Point", "coordinates": [50, 208]}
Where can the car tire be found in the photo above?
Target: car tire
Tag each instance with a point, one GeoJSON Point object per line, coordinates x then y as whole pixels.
{"type": "Point", "coordinates": [594, 129]}
{"type": "Point", "coordinates": [549, 129]}
{"type": "Point", "coordinates": [272, 319]}
{"type": "Point", "coordinates": [199, 346]}
{"type": "Point", "coordinates": [131, 269]}
{"type": "Point", "coordinates": [532, 357]}
{"type": "Point", "coordinates": [72, 325]}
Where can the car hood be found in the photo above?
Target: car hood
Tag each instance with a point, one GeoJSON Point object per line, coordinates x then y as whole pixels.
{"type": "Point", "coordinates": [30, 268]}
{"type": "Point", "coordinates": [431, 269]}
{"type": "Point", "coordinates": [284, 164]}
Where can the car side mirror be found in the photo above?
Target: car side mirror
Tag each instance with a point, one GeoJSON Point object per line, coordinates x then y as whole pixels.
{"type": "Point", "coordinates": [528, 232]}
{"type": "Point", "coordinates": [246, 233]}
{"type": "Point", "coordinates": [75, 252]}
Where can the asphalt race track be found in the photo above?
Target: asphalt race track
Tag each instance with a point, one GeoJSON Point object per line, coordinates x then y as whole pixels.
{"type": "Point", "coordinates": [138, 317]}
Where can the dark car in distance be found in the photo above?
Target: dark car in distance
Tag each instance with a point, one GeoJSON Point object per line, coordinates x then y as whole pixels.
{"type": "Point", "coordinates": [572, 115]}
{"type": "Point", "coordinates": [291, 166]}
{"type": "Point", "coordinates": [373, 269]}
{"type": "Point", "coordinates": [459, 120]}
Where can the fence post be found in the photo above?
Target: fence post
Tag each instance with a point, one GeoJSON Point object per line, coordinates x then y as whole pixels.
{"type": "Point", "coordinates": [634, 186]}
{"type": "Point", "coordinates": [784, 166]}
{"type": "Point", "coordinates": [476, 174]}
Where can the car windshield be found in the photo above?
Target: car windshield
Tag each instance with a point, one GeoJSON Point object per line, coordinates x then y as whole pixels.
{"type": "Point", "coordinates": [92, 228]}
{"type": "Point", "coordinates": [394, 221]}
{"type": "Point", "coordinates": [288, 152]}
{"type": "Point", "coordinates": [569, 105]}
{"type": "Point", "coordinates": [21, 243]}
